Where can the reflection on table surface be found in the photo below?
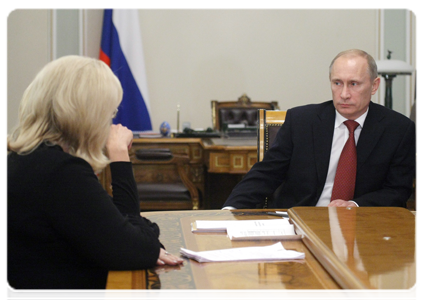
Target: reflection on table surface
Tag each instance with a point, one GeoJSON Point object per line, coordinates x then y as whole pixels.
{"type": "Point", "coordinates": [364, 247]}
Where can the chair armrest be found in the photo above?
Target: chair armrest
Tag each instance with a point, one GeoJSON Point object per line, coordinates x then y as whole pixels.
{"type": "Point", "coordinates": [153, 154]}
{"type": "Point", "coordinates": [174, 159]}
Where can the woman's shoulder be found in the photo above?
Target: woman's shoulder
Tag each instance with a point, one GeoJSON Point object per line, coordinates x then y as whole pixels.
{"type": "Point", "coordinates": [44, 172]}
{"type": "Point", "coordinates": [45, 159]}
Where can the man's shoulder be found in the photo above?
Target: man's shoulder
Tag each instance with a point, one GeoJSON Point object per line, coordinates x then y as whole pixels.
{"type": "Point", "coordinates": [314, 106]}
{"type": "Point", "coordinates": [312, 109]}
{"type": "Point", "coordinates": [385, 114]}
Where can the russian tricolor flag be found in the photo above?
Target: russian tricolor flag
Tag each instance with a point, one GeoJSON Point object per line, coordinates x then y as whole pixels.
{"type": "Point", "coordinates": [121, 49]}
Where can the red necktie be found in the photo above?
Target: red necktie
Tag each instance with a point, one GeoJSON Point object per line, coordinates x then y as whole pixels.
{"type": "Point", "coordinates": [344, 184]}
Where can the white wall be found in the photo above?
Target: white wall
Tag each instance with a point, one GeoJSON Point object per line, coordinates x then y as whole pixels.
{"type": "Point", "coordinates": [194, 56]}
{"type": "Point", "coordinates": [397, 37]}
{"type": "Point", "coordinates": [415, 43]}
{"type": "Point", "coordinates": [28, 50]}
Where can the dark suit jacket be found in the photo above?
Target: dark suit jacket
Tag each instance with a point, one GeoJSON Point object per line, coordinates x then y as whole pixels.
{"type": "Point", "coordinates": [299, 160]}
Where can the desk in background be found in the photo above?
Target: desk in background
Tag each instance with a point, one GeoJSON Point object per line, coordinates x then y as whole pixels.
{"type": "Point", "coordinates": [216, 164]}
{"type": "Point", "coordinates": [226, 161]}
{"type": "Point", "coordinates": [376, 261]}
{"type": "Point", "coordinates": [232, 156]}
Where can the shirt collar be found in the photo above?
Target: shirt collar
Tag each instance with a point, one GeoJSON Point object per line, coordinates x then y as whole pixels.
{"type": "Point", "coordinates": [339, 120]}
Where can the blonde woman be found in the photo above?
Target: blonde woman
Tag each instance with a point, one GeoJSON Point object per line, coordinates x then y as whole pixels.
{"type": "Point", "coordinates": [64, 230]}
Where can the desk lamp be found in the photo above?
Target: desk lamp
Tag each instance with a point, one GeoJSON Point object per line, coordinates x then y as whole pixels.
{"type": "Point", "coordinates": [389, 69]}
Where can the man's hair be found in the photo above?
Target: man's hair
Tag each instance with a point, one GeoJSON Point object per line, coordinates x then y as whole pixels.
{"type": "Point", "coordinates": [71, 103]}
{"type": "Point", "coordinates": [371, 64]}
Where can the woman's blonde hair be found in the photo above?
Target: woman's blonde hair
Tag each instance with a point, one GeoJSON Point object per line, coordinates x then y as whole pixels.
{"type": "Point", "coordinates": [71, 103]}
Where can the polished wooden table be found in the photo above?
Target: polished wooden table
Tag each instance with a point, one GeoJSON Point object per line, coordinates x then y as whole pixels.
{"type": "Point", "coordinates": [385, 259]}
{"type": "Point", "coordinates": [382, 254]}
{"type": "Point", "coordinates": [362, 248]}
{"type": "Point", "coordinates": [176, 233]}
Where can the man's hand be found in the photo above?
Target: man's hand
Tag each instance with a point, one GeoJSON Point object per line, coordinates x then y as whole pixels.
{"type": "Point", "coordinates": [341, 203]}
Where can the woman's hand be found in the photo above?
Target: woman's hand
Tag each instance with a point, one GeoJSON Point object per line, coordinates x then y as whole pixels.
{"type": "Point", "coordinates": [165, 258]}
{"type": "Point", "coordinates": [119, 142]}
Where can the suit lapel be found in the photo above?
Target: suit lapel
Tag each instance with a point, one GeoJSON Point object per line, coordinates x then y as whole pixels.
{"type": "Point", "coordinates": [371, 133]}
{"type": "Point", "coordinates": [323, 128]}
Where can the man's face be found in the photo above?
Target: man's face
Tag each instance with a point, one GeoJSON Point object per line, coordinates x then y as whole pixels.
{"type": "Point", "coordinates": [351, 85]}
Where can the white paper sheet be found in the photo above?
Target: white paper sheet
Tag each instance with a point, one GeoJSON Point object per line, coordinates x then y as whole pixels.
{"type": "Point", "coordinates": [280, 232]}
{"type": "Point", "coordinates": [273, 252]}
{"type": "Point", "coordinates": [220, 226]}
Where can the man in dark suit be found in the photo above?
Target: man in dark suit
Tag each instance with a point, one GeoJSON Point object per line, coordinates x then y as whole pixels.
{"type": "Point", "coordinates": [305, 154]}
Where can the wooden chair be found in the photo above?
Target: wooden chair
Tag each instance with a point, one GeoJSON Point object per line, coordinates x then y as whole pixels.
{"type": "Point", "coordinates": [270, 121]}
{"type": "Point", "coordinates": [162, 180]}
{"type": "Point", "coordinates": [237, 112]}
{"type": "Point", "coordinates": [417, 184]}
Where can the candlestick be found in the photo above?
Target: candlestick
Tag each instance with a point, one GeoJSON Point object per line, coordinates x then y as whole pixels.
{"type": "Point", "coordinates": [177, 117]}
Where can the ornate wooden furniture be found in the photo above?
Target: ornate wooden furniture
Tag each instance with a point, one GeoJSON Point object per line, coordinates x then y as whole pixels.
{"type": "Point", "coordinates": [162, 180]}
{"type": "Point", "coordinates": [231, 156]}
{"type": "Point", "coordinates": [417, 184]}
{"type": "Point", "coordinates": [188, 162]}
{"type": "Point", "coordinates": [382, 257]}
{"type": "Point", "coordinates": [185, 169]}
{"type": "Point", "coordinates": [270, 122]}
{"type": "Point", "coordinates": [226, 161]}
{"type": "Point", "coordinates": [214, 166]}
{"type": "Point", "coordinates": [237, 112]}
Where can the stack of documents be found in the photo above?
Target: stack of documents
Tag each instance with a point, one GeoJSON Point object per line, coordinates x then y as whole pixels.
{"type": "Point", "coordinates": [249, 229]}
{"type": "Point", "coordinates": [268, 253]}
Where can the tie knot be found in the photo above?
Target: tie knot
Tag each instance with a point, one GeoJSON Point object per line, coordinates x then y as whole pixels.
{"type": "Point", "coordinates": [351, 125]}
